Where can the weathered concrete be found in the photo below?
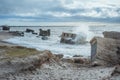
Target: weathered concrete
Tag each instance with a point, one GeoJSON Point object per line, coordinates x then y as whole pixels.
{"type": "Point", "coordinates": [5, 27]}
{"type": "Point", "coordinates": [105, 51]}
{"type": "Point", "coordinates": [68, 38]}
{"type": "Point", "coordinates": [112, 34]}
{"type": "Point", "coordinates": [44, 32]}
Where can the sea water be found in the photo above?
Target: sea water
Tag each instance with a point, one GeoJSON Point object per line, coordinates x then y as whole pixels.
{"type": "Point", "coordinates": [84, 31]}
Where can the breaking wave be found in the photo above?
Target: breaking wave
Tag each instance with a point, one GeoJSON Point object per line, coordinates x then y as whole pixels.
{"type": "Point", "coordinates": [83, 34]}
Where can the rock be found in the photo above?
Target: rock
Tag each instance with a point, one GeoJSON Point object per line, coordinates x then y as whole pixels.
{"type": "Point", "coordinates": [81, 60]}
{"type": "Point", "coordinates": [111, 34]}
{"type": "Point", "coordinates": [78, 60]}
{"type": "Point", "coordinates": [116, 71]}
{"type": "Point", "coordinates": [69, 60]}
{"type": "Point", "coordinates": [59, 56]}
{"type": "Point", "coordinates": [5, 27]}
{"type": "Point", "coordinates": [95, 63]}
{"type": "Point", "coordinates": [26, 63]}
{"type": "Point", "coordinates": [44, 32]}
{"type": "Point", "coordinates": [29, 30]}
{"type": "Point", "coordinates": [105, 51]}
{"type": "Point", "coordinates": [44, 38]}
{"type": "Point", "coordinates": [77, 56]}
{"type": "Point", "coordinates": [68, 38]}
{"type": "Point", "coordinates": [35, 33]}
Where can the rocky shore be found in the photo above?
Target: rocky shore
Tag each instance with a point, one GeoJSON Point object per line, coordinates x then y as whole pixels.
{"type": "Point", "coordinates": [20, 63]}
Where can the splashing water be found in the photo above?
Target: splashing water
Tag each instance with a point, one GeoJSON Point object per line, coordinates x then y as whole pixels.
{"type": "Point", "coordinates": [83, 34]}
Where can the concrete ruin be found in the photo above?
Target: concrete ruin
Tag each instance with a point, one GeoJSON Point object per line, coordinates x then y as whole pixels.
{"type": "Point", "coordinates": [68, 38]}
{"type": "Point", "coordinates": [17, 33]}
{"type": "Point", "coordinates": [29, 30]}
{"type": "Point", "coordinates": [44, 33]}
{"type": "Point", "coordinates": [105, 51]}
{"type": "Point", "coordinates": [5, 28]}
{"type": "Point", "coordinates": [111, 34]}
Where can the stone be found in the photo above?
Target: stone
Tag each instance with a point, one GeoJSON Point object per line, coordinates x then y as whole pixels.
{"type": "Point", "coordinates": [29, 30]}
{"type": "Point", "coordinates": [59, 56]}
{"type": "Point", "coordinates": [5, 27]}
{"type": "Point", "coordinates": [77, 56]}
{"type": "Point", "coordinates": [44, 32]}
{"type": "Point", "coordinates": [68, 38]}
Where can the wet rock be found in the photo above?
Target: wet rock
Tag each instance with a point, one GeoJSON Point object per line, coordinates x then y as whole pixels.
{"type": "Point", "coordinates": [44, 32]}
{"type": "Point", "coordinates": [44, 38]}
{"type": "Point", "coordinates": [17, 33]}
{"type": "Point", "coordinates": [59, 55]}
{"type": "Point", "coordinates": [29, 30]}
{"type": "Point", "coordinates": [77, 56]}
{"type": "Point", "coordinates": [69, 60]}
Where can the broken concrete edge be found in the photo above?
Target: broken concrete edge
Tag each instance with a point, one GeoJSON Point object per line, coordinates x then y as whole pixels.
{"type": "Point", "coordinates": [112, 34]}
{"type": "Point", "coordinates": [99, 46]}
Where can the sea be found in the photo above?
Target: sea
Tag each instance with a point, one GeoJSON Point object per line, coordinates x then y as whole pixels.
{"type": "Point", "coordinates": [86, 30]}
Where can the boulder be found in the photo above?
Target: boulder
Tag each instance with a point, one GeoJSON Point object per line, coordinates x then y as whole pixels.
{"type": "Point", "coordinates": [59, 56]}
{"type": "Point", "coordinates": [80, 60]}
{"type": "Point", "coordinates": [116, 71]}
{"type": "Point", "coordinates": [68, 60]}
{"type": "Point", "coordinates": [105, 51]}
{"type": "Point", "coordinates": [77, 56]}
{"type": "Point", "coordinates": [112, 34]}
{"type": "Point", "coordinates": [29, 30]}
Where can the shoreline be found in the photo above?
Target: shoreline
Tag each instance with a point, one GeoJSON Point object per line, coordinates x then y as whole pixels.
{"type": "Point", "coordinates": [46, 65]}
{"type": "Point", "coordinates": [4, 36]}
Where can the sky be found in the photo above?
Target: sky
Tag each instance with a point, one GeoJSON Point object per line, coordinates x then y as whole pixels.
{"type": "Point", "coordinates": [59, 11]}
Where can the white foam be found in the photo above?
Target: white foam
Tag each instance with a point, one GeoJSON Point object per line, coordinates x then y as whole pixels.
{"type": "Point", "coordinates": [83, 33]}
{"type": "Point", "coordinates": [52, 44]}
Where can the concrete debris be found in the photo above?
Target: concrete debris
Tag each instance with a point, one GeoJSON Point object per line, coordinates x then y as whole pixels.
{"type": "Point", "coordinates": [68, 38]}
{"type": "Point", "coordinates": [105, 51]}
{"type": "Point", "coordinates": [45, 34]}
{"type": "Point", "coordinates": [111, 34]}
{"type": "Point", "coordinates": [29, 30]}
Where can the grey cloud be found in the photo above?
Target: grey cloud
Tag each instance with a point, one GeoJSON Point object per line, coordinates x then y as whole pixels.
{"type": "Point", "coordinates": [47, 9]}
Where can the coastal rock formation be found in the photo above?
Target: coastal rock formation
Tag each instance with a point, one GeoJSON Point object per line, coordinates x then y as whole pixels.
{"type": "Point", "coordinates": [9, 64]}
{"type": "Point", "coordinates": [105, 51]}
{"type": "Point", "coordinates": [29, 30]}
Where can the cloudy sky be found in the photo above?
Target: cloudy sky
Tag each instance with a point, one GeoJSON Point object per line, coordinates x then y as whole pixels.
{"type": "Point", "coordinates": [59, 10]}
